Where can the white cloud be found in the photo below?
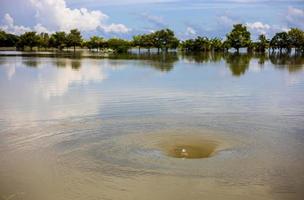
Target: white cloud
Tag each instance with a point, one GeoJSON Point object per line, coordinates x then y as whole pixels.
{"type": "Point", "coordinates": [63, 78]}
{"type": "Point", "coordinates": [55, 15]}
{"type": "Point", "coordinates": [226, 21]}
{"type": "Point", "coordinates": [190, 31]}
{"type": "Point", "coordinates": [116, 2]}
{"type": "Point", "coordinates": [41, 29]}
{"type": "Point", "coordinates": [115, 28]}
{"type": "Point", "coordinates": [295, 17]}
{"type": "Point", "coordinates": [258, 27]}
{"type": "Point", "coordinates": [157, 21]}
{"type": "Point", "coordinates": [9, 26]}
{"type": "Point", "coordinates": [8, 19]}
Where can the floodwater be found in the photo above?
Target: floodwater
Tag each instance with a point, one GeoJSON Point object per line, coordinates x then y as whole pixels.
{"type": "Point", "coordinates": [209, 126]}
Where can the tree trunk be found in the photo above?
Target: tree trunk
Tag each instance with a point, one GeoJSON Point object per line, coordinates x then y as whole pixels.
{"type": "Point", "coordinates": [74, 48]}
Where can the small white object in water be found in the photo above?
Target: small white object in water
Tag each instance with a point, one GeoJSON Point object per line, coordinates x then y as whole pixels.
{"type": "Point", "coordinates": [184, 150]}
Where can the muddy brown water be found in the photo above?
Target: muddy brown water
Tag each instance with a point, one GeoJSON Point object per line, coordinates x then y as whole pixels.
{"type": "Point", "coordinates": [177, 127]}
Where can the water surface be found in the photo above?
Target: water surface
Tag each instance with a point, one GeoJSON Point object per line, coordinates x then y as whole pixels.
{"type": "Point", "coordinates": [208, 126]}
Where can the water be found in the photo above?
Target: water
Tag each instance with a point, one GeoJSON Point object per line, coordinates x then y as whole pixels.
{"type": "Point", "coordinates": [207, 126]}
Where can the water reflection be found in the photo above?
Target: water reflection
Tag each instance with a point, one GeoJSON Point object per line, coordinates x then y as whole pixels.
{"type": "Point", "coordinates": [30, 62]}
{"type": "Point", "coordinates": [47, 86]}
{"type": "Point", "coordinates": [116, 128]}
{"type": "Point", "coordinates": [293, 63]}
{"type": "Point", "coordinates": [76, 64]}
{"type": "Point", "coordinates": [203, 57]}
{"type": "Point", "coordinates": [161, 62]}
{"type": "Point", "coordinates": [238, 64]}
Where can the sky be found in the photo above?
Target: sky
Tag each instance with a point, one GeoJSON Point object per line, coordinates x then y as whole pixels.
{"type": "Point", "coordinates": [125, 18]}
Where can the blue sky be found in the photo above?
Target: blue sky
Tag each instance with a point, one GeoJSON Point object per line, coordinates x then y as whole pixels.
{"type": "Point", "coordinates": [124, 18]}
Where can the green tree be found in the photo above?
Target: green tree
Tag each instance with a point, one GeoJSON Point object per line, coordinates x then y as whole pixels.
{"type": "Point", "coordinates": [119, 45]}
{"type": "Point", "coordinates": [137, 41]}
{"type": "Point", "coordinates": [216, 44]}
{"type": "Point", "coordinates": [296, 37]}
{"type": "Point", "coordinates": [164, 39]}
{"type": "Point", "coordinates": [197, 45]}
{"type": "Point", "coordinates": [239, 37]}
{"type": "Point", "coordinates": [202, 44]}
{"type": "Point", "coordinates": [281, 41]}
{"type": "Point", "coordinates": [7, 39]}
{"type": "Point", "coordinates": [262, 44]}
{"type": "Point", "coordinates": [147, 41]}
{"type": "Point", "coordinates": [43, 40]}
{"type": "Point", "coordinates": [226, 45]}
{"type": "Point", "coordinates": [95, 42]}
{"type": "Point", "coordinates": [29, 39]}
{"type": "Point", "coordinates": [74, 38]}
{"type": "Point", "coordinates": [58, 40]}
{"type": "Point", "coordinates": [187, 45]}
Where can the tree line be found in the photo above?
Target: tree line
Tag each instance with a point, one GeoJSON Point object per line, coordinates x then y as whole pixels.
{"type": "Point", "coordinates": [161, 40]}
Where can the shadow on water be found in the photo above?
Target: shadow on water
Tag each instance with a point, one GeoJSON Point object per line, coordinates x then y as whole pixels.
{"type": "Point", "coordinates": [238, 63]}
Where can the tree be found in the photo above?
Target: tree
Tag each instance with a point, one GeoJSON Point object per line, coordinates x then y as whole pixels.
{"type": "Point", "coordinates": [95, 42]}
{"type": "Point", "coordinates": [226, 45]}
{"type": "Point", "coordinates": [58, 40]}
{"type": "Point", "coordinates": [197, 45]}
{"type": "Point", "coordinates": [7, 39]}
{"type": "Point", "coordinates": [202, 44]}
{"type": "Point", "coordinates": [43, 40]}
{"type": "Point", "coordinates": [73, 38]}
{"type": "Point", "coordinates": [164, 39]}
{"type": "Point", "coordinates": [296, 37]}
{"type": "Point", "coordinates": [262, 44]}
{"type": "Point", "coordinates": [138, 41]}
{"type": "Point", "coordinates": [29, 39]}
{"type": "Point", "coordinates": [119, 45]}
{"type": "Point", "coordinates": [216, 44]}
{"type": "Point", "coordinates": [147, 41]}
{"type": "Point", "coordinates": [239, 37]}
{"type": "Point", "coordinates": [281, 41]}
{"type": "Point", "coordinates": [187, 45]}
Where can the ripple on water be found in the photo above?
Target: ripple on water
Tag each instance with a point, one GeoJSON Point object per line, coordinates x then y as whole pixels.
{"type": "Point", "coordinates": [168, 151]}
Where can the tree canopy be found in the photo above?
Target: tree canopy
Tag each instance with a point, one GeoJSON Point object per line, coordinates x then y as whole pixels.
{"type": "Point", "coordinates": [239, 37]}
{"type": "Point", "coordinates": [73, 39]}
{"type": "Point", "coordinates": [162, 40]}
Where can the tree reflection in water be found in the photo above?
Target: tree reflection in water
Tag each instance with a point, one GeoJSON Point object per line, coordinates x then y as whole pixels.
{"type": "Point", "coordinates": [237, 63]}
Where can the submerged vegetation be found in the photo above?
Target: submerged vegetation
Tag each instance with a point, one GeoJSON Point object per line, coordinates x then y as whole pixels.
{"type": "Point", "coordinates": [161, 40]}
